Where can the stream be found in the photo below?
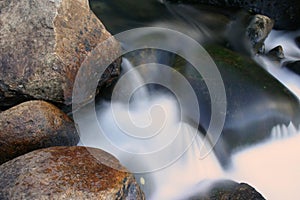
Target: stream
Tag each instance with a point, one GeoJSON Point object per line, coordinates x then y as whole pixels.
{"type": "Point", "coordinates": [153, 128]}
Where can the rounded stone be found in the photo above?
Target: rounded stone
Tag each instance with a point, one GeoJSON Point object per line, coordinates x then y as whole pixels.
{"type": "Point", "coordinates": [67, 173]}
{"type": "Point", "coordinates": [33, 125]}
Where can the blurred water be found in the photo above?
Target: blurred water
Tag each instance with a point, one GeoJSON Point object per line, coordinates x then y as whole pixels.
{"type": "Point", "coordinates": [165, 155]}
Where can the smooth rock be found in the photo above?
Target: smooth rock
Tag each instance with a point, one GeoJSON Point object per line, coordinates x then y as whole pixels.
{"type": "Point", "coordinates": [285, 13]}
{"type": "Point", "coordinates": [293, 66]}
{"type": "Point", "coordinates": [227, 189]}
{"type": "Point", "coordinates": [34, 125]}
{"type": "Point", "coordinates": [256, 101]}
{"type": "Point", "coordinates": [297, 40]}
{"type": "Point", "coordinates": [43, 44]}
{"type": "Point", "coordinates": [67, 173]}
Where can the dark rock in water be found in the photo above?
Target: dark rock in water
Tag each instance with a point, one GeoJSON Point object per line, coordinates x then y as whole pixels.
{"type": "Point", "coordinates": [43, 44]}
{"type": "Point", "coordinates": [256, 101]}
{"type": "Point", "coordinates": [34, 125]}
{"type": "Point", "coordinates": [276, 53]}
{"type": "Point", "coordinates": [297, 40]}
{"type": "Point", "coordinates": [67, 173]}
{"type": "Point", "coordinates": [285, 13]}
{"type": "Point", "coordinates": [227, 189]}
{"type": "Point", "coordinates": [293, 66]}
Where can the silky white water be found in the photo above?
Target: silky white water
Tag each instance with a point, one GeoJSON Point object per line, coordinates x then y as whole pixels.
{"type": "Point", "coordinates": [291, 53]}
{"type": "Point", "coordinates": [149, 138]}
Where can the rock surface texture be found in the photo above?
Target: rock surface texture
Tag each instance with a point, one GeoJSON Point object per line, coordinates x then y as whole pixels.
{"type": "Point", "coordinates": [226, 189]}
{"type": "Point", "coordinates": [43, 43]}
{"type": "Point", "coordinates": [67, 173]}
{"type": "Point", "coordinates": [33, 125]}
{"type": "Point", "coordinates": [285, 13]}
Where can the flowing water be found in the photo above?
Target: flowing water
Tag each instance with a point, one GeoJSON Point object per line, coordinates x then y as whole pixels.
{"type": "Point", "coordinates": [149, 136]}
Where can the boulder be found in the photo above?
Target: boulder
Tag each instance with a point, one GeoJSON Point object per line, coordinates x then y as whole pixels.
{"type": "Point", "coordinates": [227, 189]}
{"type": "Point", "coordinates": [285, 13]}
{"type": "Point", "coordinates": [43, 43]}
{"type": "Point", "coordinates": [248, 32]}
{"type": "Point", "coordinates": [256, 101]}
{"type": "Point", "coordinates": [33, 125]}
{"type": "Point", "coordinates": [258, 30]}
{"type": "Point", "coordinates": [67, 173]}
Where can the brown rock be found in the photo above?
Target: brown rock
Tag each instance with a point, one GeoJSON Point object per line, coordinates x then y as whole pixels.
{"type": "Point", "coordinates": [67, 173]}
{"type": "Point", "coordinates": [43, 43]}
{"type": "Point", "coordinates": [33, 125]}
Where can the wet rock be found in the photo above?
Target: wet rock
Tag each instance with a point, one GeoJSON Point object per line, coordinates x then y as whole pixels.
{"type": "Point", "coordinates": [297, 40]}
{"type": "Point", "coordinates": [43, 44]}
{"type": "Point", "coordinates": [285, 13]}
{"type": "Point", "coordinates": [67, 173]}
{"type": "Point", "coordinates": [293, 66]}
{"type": "Point", "coordinates": [258, 30]}
{"type": "Point", "coordinates": [256, 101]}
{"type": "Point", "coordinates": [276, 53]}
{"type": "Point", "coordinates": [33, 125]}
{"type": "Point", "coordinates": [248, 32]}
{"type": "Point", "coordinates": [227, 189]}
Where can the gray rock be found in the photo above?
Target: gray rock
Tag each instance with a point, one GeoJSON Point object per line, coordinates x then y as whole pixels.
{"type": "Point", "coordinates": [43, 43]}
{"type": "Point", "coordinates": [34, 125]}
{"type": "Point", "coordinates": [67, 173]}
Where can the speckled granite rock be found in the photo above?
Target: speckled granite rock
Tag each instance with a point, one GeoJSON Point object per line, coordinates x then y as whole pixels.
{"type": "Point", "coordinates": [67, 173]}
{"type": "Point", "coordinates": [43, 43]}
{"type": "Point", "coordinates": [33, 125]}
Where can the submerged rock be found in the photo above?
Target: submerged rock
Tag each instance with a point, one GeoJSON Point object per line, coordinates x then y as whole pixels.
{"type": "Point", "coordinates": [34, 125]}
{"type": "Point", "coordinates": [43, 44]}
{"type": "Point", "coordinates": [67, 173]}
{"type": "Point", "coordinates": [227, 189]}
{"type": "Point", "coordinates": [293, 66]}
{"type": "Point", "coordinates": [285, 13]}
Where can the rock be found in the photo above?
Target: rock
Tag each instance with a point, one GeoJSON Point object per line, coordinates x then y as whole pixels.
{"type": "Point", "coordinates": [258, 30]}
{"type": "Point", "coordinates": [248, 32]}
{"type": "Point", "coordinates": [256, 101]}
{"type": "Point", "coordinates": [43, 43]}
{"type": "Point", "coordinates": [227, 189]}
{"type": "Point", "coordinates": [293, 66]}
{"type": "Point", "coordinates": [33, 125]}
{"type": "Point", "coordinates": [276, 53]}
{"type": "Point", "coordinates": [297, 40]}
{"type": "Point", "coordinates": [285, 13]}
{"type": "Point", "coordinates": [67, 173]}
